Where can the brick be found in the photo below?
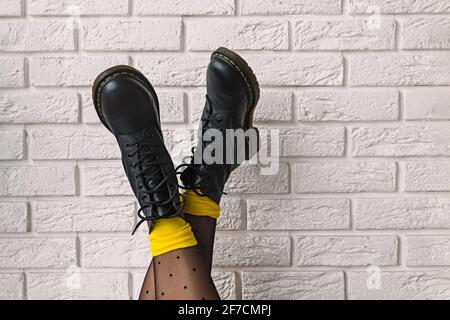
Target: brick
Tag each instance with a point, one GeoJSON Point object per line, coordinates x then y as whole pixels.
{"type": "Point", "coordinates": [178, 142]}
{"type": "Point", "coordinates": [267, 7]}
{"type": "Point", "coordinates": [12, 286]}
{"type": "Point", "coordinates": [299, 214]}
{"type": "Point", "coordinates": [249, 179]}
{"type": "Point", "coordinates": [136, 35]}
{"type": "Point", "coordinates": [48, 35]}
{"type": "Point", "coordinates": [193, 7]}
{"type": "Point", "coordinates": [401, 285]}
{"type": "Point", "coordinates": [249, 34]}
{"type": "Point", "coordinates": [171, 107]}
{"type": "Point", "coordinates": [11, 143]}
{"type": "Point", "coordinates": [225, 283]}
{"type": "Point", "coordinates": [425, 33]}
{"type": "Point", "coordinates": [312, 142]}
{"type": "Point", "coordinates": [399, 69]}
{"type": "Point", "coordinates": [290, 285]}
{"type": "Point", "coordinates": [105, 181]}
{"type": "Point", "coordinates": [346, 251]}
{"type": "Point", "coordinates": [82, 215]}
{"type": "Point", "coordinates": [344, 34]}
{"type": "Point", "coordinates": [427, 176]}
{"type": "Point", "coordinates": [77, 285]}
{"type": "Point", "coordinates": [297, 69]}
{"type": "Point", "coordinates": [37, 252]}
{"type": "Point", "coordinates": [13, 217]}
{"type": "Point", "coordinates": [115, 252]}
{"type": "Point", "coordinates": [428, 250]}
{"type": "Point", "coordinates": [197, 101]}
{"type": "Point", "coordinates": [230, 214]}
{"type": "Point", "coordinates": [348, 105]}
{"type": "Point", "coordinates": [89, 114]}
{"type": "Point", "coordinates": [249, 251]}
{"type": "Point", "coordinates": [174, 69]}
{"type": "Point", "coordinates": [427, 104]}
{"type": "Point", "coordinates": [399, 6]}
{"type": "Point", "coordinates": [37, 179]}
{"type": "Point", "coordinates": [273, 105]}
{"type": "Point", "coordinates": [345, 177]}
{"type": "Point", "coordinates": [70, 71]}
{"type": "Point", "coordinates": [401, 141]}
{"type": "Point", "coordinates": [270, 69]}
{"type": "Point", "coordinates": [403, 214]}
{"type": "Point", "coordinates": [13, 73]}
{"type": "Point", "coordinates": [73, 143]}
{"type": "Point", "coordinates": [39, 107]}
{"type": "Point", "coordinates": [11, 8]}
{"type": "Point", "coordinates": [137, 279]}
{"type": "Point", "coordinates": [78, 7]}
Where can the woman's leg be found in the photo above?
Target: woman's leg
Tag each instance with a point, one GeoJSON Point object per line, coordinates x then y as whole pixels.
{"type": "Point", "coordinates": [182, 274]}
{"type": "Point", "coordinates": [178, 270]}
{"type": "Point", "coordinates": [179, 275]}
{"type": "Point", "coordinates": [148, 291]}
{"type": "Point", "coordinates": [204, 229]}
{"type": "Point", "coordinates": [202, 213]}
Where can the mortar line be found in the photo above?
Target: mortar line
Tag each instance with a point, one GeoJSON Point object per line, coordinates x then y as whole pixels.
{"type": "Point", "coordinates": [130, 285]}
{"type": "Point", "coordinates": [25, 285]}
{"type": "Point", "coordinates": [130, 8]}
{"type": "Point", "coordinates": [29, 226]}
{"type": "Point", "coordinates": [25, 9]}
{"type": "Point", "coordinates": [352, 215]}
{"type": "Point", "coordinates": [260, 268]}
{"type": "Point", "coordinates": [26, 73]}
{"type": "Point", "coordinates": [398, 34]}
{"type": "Point", "coordinates": [346, 285]}
{"type": "Point", "coordinates": [244, 213]}
{"type": "Point", "coordinates": [183, 35]}
{"type": "Point", "coordinates": [401, 250]}
{"type": "Point", "coordinates": [237, 8]}
{"type": "Point", "coordinates": [238, 284]}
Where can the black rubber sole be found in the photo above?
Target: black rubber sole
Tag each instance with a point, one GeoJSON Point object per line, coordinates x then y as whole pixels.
{"type": "Point", "coordinates": [109, 74]}
{"type": "Point", "coordinates": [247, 73]}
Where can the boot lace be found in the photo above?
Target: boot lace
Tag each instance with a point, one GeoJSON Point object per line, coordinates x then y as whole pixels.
{"type": "Point", "coordinates": [147, 167]}
{"type": "Point", "coordinates": [209, 121]}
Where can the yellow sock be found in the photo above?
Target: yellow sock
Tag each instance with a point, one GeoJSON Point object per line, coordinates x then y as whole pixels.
{"type": "Point", "coordinates": [200, 206]}
{"type": "Point", "coordinates": [170, 234]}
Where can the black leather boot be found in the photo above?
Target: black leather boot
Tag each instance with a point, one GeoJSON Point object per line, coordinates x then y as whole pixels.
{"type": "Point", "coordinates": [232, 95]}
{"type": "Point", "coordinates": [127, 105]}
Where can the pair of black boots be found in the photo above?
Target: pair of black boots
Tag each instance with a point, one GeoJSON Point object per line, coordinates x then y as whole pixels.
{"type": "Point", "coordinates": [128, 106]}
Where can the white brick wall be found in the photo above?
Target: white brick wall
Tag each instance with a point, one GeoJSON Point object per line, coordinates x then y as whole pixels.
{"type": "Point", "coordinates": [362, 103]}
